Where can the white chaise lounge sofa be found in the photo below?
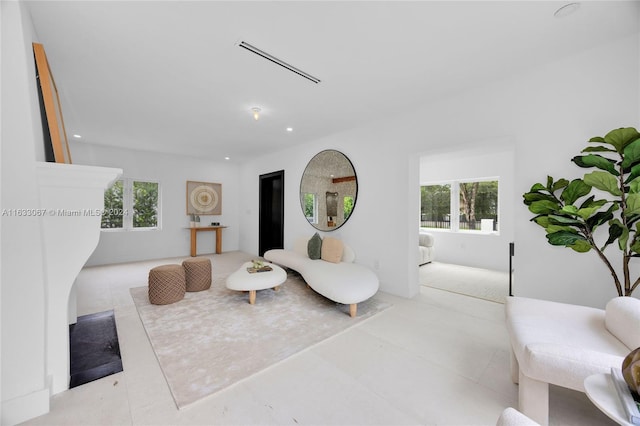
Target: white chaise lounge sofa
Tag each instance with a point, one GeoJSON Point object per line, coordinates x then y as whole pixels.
{"type": "Point", "coordinates": [343, 282]}
{"type": "Point", "coordinates": [563, 344]}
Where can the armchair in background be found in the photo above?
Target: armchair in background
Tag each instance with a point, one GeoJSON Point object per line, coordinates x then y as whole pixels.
{"type": "Point", "coordinates": [425, 247]}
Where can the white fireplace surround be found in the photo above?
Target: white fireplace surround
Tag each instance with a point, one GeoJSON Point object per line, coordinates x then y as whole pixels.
{"type": "Point", "coordinates": [71, 198]}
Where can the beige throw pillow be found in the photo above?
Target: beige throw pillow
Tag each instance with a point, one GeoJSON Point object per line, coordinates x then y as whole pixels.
{"type": "Point", "coordinates": [332, 249]}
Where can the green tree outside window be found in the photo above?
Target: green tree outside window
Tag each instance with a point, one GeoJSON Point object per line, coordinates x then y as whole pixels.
{"type": "Point", "coordinates": [348, 207]}
{"type": "Point", "coordinates": [131, 204]}
{"type": "Point", "coordinates": [112, 216]}
{"type": "Point", "coordinates": [145, 204]}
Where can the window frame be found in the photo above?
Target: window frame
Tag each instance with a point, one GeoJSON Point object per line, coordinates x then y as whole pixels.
{"type": "Point", "coordinates": [128, 203]}
{"type": "Point", "coordinates": [454, 205]}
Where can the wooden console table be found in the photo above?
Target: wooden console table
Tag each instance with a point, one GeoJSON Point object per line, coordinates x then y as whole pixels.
{"type": "Point", "coordinates": [194, 237]}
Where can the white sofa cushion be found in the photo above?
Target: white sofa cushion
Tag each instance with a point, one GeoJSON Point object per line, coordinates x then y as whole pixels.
{"type": "Point", "coordinates": [622, 319]}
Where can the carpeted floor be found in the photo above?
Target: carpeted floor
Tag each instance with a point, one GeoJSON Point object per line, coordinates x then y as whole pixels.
{"type": "Point", "coordinates": [215, 338]}
{"type": "Point", "coordinates": [94, 350]}
{"type": "Point", "coordinates": [476, 282]}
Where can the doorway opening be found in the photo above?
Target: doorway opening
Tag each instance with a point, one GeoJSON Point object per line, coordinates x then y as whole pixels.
{"type": "Point", "coordinates": [271, 214]}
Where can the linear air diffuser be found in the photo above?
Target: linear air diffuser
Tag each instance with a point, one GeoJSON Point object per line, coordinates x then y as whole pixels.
{"type": "Point", "coordinates": [277, 61]}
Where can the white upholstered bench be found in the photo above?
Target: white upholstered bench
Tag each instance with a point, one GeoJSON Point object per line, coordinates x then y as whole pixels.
{"type": "Point", "coordinates": [563, 344]}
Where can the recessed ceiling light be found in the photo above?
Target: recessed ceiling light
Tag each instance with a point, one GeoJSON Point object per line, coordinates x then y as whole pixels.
{"type": "Point", "coordinates": [566, 10]}
{"type": "Point", "coordinates": [227, 158]}
{"type": "Point", "coordinates": [77, 136]}
{"type": "Point", "coordinates": [289, 129]}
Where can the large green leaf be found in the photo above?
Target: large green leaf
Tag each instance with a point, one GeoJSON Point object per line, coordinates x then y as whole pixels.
{"type": "Point", "coordinates": [537, 187]}
{"type": "Point", "coordinates": [590, 202]}
{"type": "Point", "coordinates": [635, 247]}
{"type": "Point", "coordinates": [598, 139]}
{"type": "Point", "coordinates": [623, 239]}
{"type": "Point", "coordinates": [564, 238]}
{"type": "Point", "coordinates": [587, 202]}
{"type": "Point", "coordinates": [542, 220]}
{"type": "Point", "coordinates": [620, 138]}
{"type": "Point", "coordinates": [544, 207]}
{"type": "Point", "coordinates": [631, 154]}
{"type": "Point", "coordinates": [587, 212]}
{"type": "Point", "coordinates": [549, 183]}
{"type": "Point", "coordinates": [633, 173]}
{"type": "Point", "coordinates": [556, 228]}
{"type": "Point", "coordinates": [581, 246]}
{"type": "Point", "coordinates": [530, 197]}
{"type": "Point", "coordinates": [563, 220]}
{"type": "Point", "coordinates": [634, 186]}
{"type": "Point", "coordinates": [616, 229]}
{"type": "Point", "coordinates": [633, 204]}
{"type": "Point", "coordinates": [603, 181]}
{"type": "Point", "coordinates": [632, 219]}
{"type": "Point", "coordinates": [587, 161]}
{"type": "Point", "coordinates": [601, 217]}
{"type": "Point", "coordinates": [576, 189]}
{"type": "Point", "coordinates": [598, 148]}
{"type": "Point", "coordinates": [561, 183]}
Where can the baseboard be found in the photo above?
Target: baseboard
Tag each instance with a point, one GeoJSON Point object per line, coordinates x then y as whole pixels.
{"type": "Point", "coordinates": [25, 407]}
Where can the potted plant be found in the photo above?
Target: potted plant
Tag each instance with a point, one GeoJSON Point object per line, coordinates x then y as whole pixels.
{"type": "Point", "coordinates": [570, 213]}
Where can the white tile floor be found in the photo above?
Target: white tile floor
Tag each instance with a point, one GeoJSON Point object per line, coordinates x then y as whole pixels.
{"type": "Point", "coordinates": [439, 358]}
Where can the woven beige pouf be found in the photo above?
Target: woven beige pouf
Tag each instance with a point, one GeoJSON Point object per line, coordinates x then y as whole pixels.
{"type": "Point", "coordinates": [167, 284]}
{"type": "Point", "coordinates": [198, 273]}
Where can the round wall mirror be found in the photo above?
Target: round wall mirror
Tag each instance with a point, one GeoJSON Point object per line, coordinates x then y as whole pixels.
{"type": "Point", "coordinates": [328, 190]}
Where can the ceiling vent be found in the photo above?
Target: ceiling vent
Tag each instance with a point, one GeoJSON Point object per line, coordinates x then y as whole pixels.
{"type": "Point", "coordinates": [277, 61]}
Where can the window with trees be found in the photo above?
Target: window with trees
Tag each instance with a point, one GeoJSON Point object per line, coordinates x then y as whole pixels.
{"type": "Point", "coordinates": [132, 204]}
{"type": "Point", "coordinates": [476, 202]}
{"type": "Point", "coordinates": [348, 206]}
{"type": "Point", "coordinates": [311, 207]}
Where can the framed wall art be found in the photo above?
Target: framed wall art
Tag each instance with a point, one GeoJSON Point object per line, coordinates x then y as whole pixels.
{"type": "Point", "coordinates": [204, 198]}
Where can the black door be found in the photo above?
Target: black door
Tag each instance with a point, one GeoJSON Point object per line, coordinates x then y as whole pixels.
{"type": "Point", "coordinates": [271, 211]}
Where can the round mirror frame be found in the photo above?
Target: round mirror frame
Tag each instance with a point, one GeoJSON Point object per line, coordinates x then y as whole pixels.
{"type": "Point", "coordinates": [329, 177]}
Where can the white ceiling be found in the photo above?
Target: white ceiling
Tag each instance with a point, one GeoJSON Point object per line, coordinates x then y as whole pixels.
{"type": "Point", "coordinates": [168, 76]}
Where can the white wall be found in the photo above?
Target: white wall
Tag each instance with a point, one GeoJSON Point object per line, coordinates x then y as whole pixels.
{"type": "Point", "coordinates": [173, 172]}
{"type": "Point", "coordinates": [548, 113]}
{"type": "Point", "coordinates": [485, 159]}
{"type": "Point", "coordinates": [24, 384]}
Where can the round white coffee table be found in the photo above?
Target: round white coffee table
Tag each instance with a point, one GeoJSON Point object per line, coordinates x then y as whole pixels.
{"type": "Point", "coordinates": [243, 280]}
{"type": "Point", "coordinates": [599, 388]}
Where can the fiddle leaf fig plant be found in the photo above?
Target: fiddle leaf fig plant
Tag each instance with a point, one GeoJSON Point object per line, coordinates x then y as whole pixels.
{"type": "Point", "coordinates": [570, 213]}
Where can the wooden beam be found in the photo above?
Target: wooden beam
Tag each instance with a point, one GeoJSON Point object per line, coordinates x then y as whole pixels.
{"type": "Point", "coordinates": [344, 179]}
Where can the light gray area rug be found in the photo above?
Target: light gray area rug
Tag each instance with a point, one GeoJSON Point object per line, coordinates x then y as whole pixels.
{"type": "Point", "coordinates": [215, 338]}
{"type": "Point", "coordinates": [476, 282]}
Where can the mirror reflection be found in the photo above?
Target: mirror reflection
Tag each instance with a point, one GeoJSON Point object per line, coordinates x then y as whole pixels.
{"type": "Point", "coordinates": [328, 190]}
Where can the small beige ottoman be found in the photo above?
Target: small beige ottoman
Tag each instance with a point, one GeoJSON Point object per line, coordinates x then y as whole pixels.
{"type": "Point", "coordinates": [167, 284]}
{"type": "Point", "coordinates": [197, 273]}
